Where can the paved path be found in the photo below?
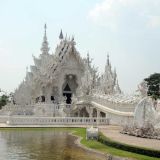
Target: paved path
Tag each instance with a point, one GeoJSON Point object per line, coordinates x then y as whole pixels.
{"type": "Point", "coordinates": [113, 133]}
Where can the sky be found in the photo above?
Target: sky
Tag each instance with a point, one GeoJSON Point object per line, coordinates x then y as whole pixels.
{"type": "Point", "coordinates": [129, 30]}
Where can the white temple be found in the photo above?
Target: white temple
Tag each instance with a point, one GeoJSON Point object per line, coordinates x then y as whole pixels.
{"type": "Point", "coordinates": [64, 84]}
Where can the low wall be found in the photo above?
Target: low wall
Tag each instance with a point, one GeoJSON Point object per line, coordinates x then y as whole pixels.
{"type": "Point", "coordinates": [23, 120]}
{"type": "Point", "coordinates": [4, 119]}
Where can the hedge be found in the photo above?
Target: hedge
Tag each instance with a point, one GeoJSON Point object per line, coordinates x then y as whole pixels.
{"type": "Point", "coordinates": [130, 148]}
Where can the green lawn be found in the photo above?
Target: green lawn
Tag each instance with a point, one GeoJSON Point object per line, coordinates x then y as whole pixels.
{"type": "Point", "coordinates": [93, 144]}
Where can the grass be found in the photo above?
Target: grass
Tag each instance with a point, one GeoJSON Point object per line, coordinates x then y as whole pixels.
{"type": "Point", "coordinates": [93, 144]}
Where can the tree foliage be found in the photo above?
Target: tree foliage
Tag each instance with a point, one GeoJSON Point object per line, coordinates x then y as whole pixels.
{"type": "Point", "coordinates": [3, 100]}
{"type": "Point", "coordinates": [153, 83]}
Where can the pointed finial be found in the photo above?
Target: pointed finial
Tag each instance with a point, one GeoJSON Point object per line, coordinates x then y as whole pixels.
{"type": "Point", "coordinates": [118, 87]}
{"type": "Point", "coordinates": [45, 28]}
{"type": "Point", "coordinates": [61, 35]}
{"type": "Point", "coordinates": [89, 60]}
{"type": "Point", "coordinates": [45, 48]}
{"type": "Point", "coordinates": [108, 59]}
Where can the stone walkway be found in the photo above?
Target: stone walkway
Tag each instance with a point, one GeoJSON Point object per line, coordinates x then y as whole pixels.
{"type": "Point", "coordinates": [113, 133]}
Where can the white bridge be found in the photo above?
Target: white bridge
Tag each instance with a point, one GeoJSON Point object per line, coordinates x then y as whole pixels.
{"type": "Point", "coordinates": [118, 111]}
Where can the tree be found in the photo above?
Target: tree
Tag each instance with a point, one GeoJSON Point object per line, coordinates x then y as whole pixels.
{"type": "Point", "coordinates": [3, 100]}
{"type": "Point", "coordinates": [153, 83]}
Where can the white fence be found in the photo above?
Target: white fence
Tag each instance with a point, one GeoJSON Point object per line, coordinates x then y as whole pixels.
{"type": "Point", "coordinates": [4, 119]}
{"type": "Point", "coordinates": [17, 120]}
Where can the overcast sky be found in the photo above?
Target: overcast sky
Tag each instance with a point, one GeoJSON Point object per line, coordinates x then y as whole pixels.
{"type": "Point", "coordinates": [128, 29]}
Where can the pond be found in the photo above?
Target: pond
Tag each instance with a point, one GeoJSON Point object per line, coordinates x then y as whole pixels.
{"type": "Point", "coordinates": [45, 144]}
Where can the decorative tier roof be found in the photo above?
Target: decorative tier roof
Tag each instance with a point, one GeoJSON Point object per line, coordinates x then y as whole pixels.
{"type": "Point", "coordinates": [47, 70]}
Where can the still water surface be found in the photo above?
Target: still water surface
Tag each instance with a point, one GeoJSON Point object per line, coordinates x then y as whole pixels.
{"type": "Point", "coordinates": [17, 144]}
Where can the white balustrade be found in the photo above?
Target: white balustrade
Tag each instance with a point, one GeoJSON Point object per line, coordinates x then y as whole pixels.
{"type": "Point", "coordinates": [4, 119]}
{"type": "Point", "coordinates": [24, 120]}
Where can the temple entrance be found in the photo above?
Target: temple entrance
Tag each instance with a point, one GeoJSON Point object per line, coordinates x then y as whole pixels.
{"type": "Point", "coordinates": [68, 94]}
{"type": "Point", "coordinates": [69, 87]}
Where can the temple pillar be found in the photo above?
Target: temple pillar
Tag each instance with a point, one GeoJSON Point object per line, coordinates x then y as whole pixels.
{"type": "Point", "coordinates": [89, 110]}
{"type": "Point", "coordinates": [78, 113]}
{"type": "Point", "coordinates": [98, 113]}
{"type": "Point", "coordinates": [107, 115]}
{"type": "Point", "coordinates": [47, 93]}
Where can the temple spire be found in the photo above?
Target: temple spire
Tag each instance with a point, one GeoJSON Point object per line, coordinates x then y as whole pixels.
{"type": "Point", "coordinates": [108, 59]}
{"type": "Point", "coordinates": [118, 90]}
{"type": "Point", "coordinates": [45, 28]}
{"type": "Point", "coordinates": [115, 73]}
{"type": "Point", "coordinates": [108, 65]}
{"type": "Point", "coordinates": [61, 35]}
{"type": "Point", "coordinates": [89, 60]}
{"type": "Point", "coordinates": [45, 48]}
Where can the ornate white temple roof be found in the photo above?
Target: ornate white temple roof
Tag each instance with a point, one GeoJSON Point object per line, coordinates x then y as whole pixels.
{"type": "Point", "coordinates": [47, 67]}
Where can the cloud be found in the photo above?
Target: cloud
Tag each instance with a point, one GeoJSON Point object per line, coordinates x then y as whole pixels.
{"type": "Point", "coordinates": [126, 14]}
{"type": "Point", "coordinates": [154, 22]}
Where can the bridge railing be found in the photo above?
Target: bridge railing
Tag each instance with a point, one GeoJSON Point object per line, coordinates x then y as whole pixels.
{"type": "Point", "coordinates": [116, 106]}
{"type": "Point", "coordinates": [56, 121]}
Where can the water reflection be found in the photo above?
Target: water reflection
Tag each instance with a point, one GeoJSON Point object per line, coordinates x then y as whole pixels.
{"type": "Point", "coordinates": [41, 145]}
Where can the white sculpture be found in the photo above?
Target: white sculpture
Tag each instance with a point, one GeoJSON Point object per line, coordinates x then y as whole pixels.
{"type": "Point", "coordinates": [145, 112]}
{"type": "Point", "coordinates": [143, 88]}
{"type": "Point", "coordinates": [92, 133]}
{"type": "Point", "coordinates": [146, 121]}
